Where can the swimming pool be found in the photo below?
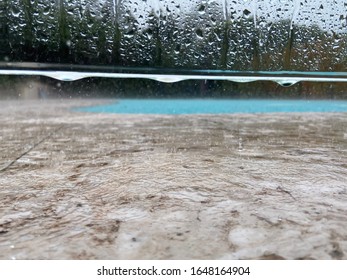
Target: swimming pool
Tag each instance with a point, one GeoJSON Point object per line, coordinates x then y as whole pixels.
{"type": "Point", "coordinates": [216, 106]}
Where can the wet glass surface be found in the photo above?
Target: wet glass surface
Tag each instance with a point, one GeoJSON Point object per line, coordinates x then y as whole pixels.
{"type": "Point", "coordinates": [268, 35]}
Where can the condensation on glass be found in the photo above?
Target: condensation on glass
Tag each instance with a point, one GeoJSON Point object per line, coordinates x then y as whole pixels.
{"type": "Point", "coordinates": [243, 35]}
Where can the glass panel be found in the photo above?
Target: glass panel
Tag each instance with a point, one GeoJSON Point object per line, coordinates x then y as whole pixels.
{"type": "Point", "coordinates": [267, 35]}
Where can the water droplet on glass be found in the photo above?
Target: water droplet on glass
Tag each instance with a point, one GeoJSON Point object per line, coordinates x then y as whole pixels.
{"type": "Point", "coordinates": [202, 9]}
{"type": "Point", "coordinates": [46, 10]}
{"type": "Point", "coordinates": [16, 11]}
{"type": "Point", "coordinates": [199, 33]}
{"type": "Point", "coordinates": [287, 83]}
{"type": "Point", "coordinates": [246, 13]}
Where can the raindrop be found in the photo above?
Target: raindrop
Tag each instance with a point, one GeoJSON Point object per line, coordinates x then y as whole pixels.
{"type": "Point", "coordinates": [287, 83]}
{"type": "Point", "coordinates": [168, 79]}
{"type": "Point", "coordinates": [202, 9]}
{"type": "Point", "coordinates": [149, 34]}
{"type": "Point", "coordinates": [178, 48]}
{"type": "Point", "coordinates": [46, 10]}
{"type": "Point", "coordinates": [199, 33]}
{"type": "Point", "coordinates": [130, 34]}
{"type": "Point", "coordinates": [246, 12]}
{"type": "Point", "coordinates": [16, 11]}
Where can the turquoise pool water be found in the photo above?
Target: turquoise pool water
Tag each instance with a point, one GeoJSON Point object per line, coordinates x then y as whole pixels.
{"type": "Point", "coordinates": [216, 106]}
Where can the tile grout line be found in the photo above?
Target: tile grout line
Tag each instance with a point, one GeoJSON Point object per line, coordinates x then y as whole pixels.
{"type": "Point", "coordinates": [30, 149]}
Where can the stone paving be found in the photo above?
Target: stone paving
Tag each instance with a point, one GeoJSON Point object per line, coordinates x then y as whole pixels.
{"type": "Point", "coordinates": [93, 186]}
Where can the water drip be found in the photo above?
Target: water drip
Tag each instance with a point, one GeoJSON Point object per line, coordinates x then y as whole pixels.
{"type": "Point", "coordinates": [287, 83]}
